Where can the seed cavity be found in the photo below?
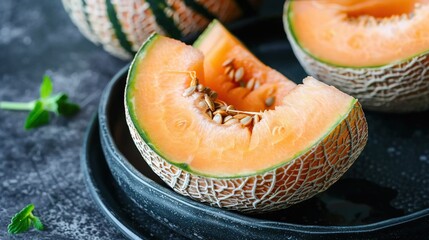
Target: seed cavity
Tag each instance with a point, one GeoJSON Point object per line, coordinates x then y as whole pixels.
{"type": "Point", "coordinates": [219, 111]}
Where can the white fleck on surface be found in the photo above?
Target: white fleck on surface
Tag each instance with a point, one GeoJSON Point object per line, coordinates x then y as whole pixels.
{"type": "Point", "coordinates": [9, 33]}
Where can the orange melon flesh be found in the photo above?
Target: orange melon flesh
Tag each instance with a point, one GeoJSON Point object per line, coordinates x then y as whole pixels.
{"type": "Point", "coordinates": [361, 33]}
{"type": "Point", "coordinates": [218, 46]}
{"type": "Point", "coordinates": [185, 136]}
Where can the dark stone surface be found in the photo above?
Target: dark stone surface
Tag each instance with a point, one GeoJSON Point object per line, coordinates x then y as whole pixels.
{"type": "Point", "coordinates": [41, 166]}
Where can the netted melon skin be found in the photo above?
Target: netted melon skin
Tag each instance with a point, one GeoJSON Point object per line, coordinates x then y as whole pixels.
{"type": "Point", "coordinates": [298, 180]}
{"type": "Point", "coordinates": [137, 20]}
{"type": "Point", "coordinates": [397, 88]}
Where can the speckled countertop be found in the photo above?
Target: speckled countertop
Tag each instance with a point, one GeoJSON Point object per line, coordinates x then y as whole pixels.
{"type": "Point", "coordinates": [42, 166]}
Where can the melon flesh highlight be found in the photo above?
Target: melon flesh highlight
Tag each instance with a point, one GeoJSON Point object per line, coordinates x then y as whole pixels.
{"type": "Point", "coordinates": [184, 135]}
{"type": "Point", "coordinates": [361, 33]}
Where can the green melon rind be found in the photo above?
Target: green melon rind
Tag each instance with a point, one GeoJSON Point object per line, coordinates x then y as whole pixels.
{"type": "Point", "coordinates": [122, 38]}
{"type": "Point", "coordinates": [287, 21]}
{"type": "Point", "coordinates": [200, 9]}
{"type": "Point", "coordinates": [87, 17]}
{"type": "Point", "coordinates": [145, 136]}
{"type": "Point", "coordinates": [206, 32]}
{"type": "Point", "coordinates": [165, 22]}
{"type": "Point", "coordinates": [130, 85]}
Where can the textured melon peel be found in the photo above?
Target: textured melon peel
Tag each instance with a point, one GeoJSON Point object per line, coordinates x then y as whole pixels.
{"type": "Point", "coordinates": [122, 26]}
{"type": "Point", "coordinates": [291, 180]}
{"type": "Point", "coordinates": [382, 79]}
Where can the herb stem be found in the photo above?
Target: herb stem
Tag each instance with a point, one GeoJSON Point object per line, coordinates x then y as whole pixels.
{"type": "Point", "coordinates": [19, 106]}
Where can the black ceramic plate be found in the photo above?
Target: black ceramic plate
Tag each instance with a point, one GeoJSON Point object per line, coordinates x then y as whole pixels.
{"type": "Point", "coordinates": [133, 222]}
{"type": "Point", "coordinates": [385, 194]}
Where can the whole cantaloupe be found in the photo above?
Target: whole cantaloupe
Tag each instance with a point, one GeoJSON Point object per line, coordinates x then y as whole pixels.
{"type": "Point", "coordinates": [121, 26]}
{"type": "Point", "coordinates": [374, 50]}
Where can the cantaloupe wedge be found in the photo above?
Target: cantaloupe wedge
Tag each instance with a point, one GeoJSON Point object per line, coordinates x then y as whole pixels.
{"type": "Point", "coordinates": [258, 156]}
{"type": "Point", "coordinates": [375, 50]}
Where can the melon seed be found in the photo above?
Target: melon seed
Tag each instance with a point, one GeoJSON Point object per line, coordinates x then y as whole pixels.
{"type": "Point", "coordinates": [227, 62]}
{"type": "Point", "coordinates": [202, 104]}
{"type": "Point", "coordinates": [227, 69]}
{"type": "Point", "coordinates": [200, 88]}
{"type": "Point", "coordinates": [269, 101]}
{"type": "Point", "coordinates": [189, 91]}
{"type": "Point", "coordinates": [218, 118]}
{"type": "Point", "coordinates": [240, 116]}
{"type": "Point", "coordinates": [250, 84]}
{"type": "Point", "coordinates": [239, 73]}
{"type": "Point", "coordinates": [227, 118]}
{"type": "Point", "coordinates": [223, 107]}
{"type": "Point", "coordinates": [246, 121]}
{"type": "Point", "coordinates": [209, 102]}
{"type": "Point", "coordinates": [255, 119]}
{"type": "Point", "coordinates": [221, 112]}
{"type": "Point", "coordinates": [257, 84]}
{"type": "Point", "coordinates": [209, 113]}
{"type": "Point", "coordinates": [231, 74]}
{"type": "Point", "coordinates": [231, 121]}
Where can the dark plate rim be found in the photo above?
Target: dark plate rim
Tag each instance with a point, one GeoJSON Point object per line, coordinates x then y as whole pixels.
{"type": "Point", "coordinates": [314, 229]}
{"type": "Point", "coordinates": [308, 229]}
{"type": "Point", "coordinates": [94, 191]}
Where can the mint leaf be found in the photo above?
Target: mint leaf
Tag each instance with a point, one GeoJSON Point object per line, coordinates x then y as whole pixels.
{"type": "Point", "coordinates": [37, 117]}
{"type": "Point", "coordinates": [66, 108]}
{"type": "Point", "coordinates": [23, 220]}
{"type": "Point", "coordinates": [40, 108]}
{"type": "Point", "coordinates": [38, 224]}
{"type": "Point", "coordinates": [46, 87]}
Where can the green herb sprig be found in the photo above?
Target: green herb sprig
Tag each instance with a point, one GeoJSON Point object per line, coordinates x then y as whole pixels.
{"type": "Point", "coordinates": [23, 220]}
{"type": "Point", "coordinates": [40, 108]}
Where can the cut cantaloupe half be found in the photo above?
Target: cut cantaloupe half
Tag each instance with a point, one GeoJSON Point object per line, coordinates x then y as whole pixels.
{"type": "Point", "coordinates": [303, 141]}
{"type": "Point", "coordinates": [375, 50]}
